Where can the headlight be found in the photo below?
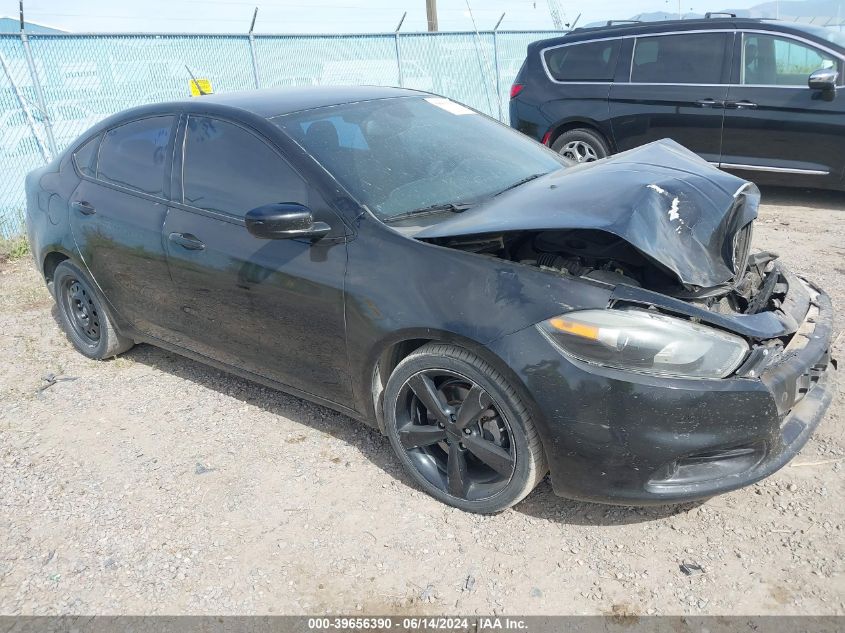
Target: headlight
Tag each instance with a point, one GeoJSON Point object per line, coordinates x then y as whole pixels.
{"type": "Point", "coordinates": [646, 342]}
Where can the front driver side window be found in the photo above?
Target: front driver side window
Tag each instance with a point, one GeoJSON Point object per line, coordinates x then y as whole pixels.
{"type": "Point", "coordinates": [780, 61]}
{"type": "Point", "coordinates": [228, 169]}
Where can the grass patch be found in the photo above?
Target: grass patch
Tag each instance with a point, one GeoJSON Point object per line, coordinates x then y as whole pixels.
{"type": "Point", "coordinates": [13, 249]}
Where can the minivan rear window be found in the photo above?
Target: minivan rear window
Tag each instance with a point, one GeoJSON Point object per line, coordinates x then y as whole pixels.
{"type": "Point", "coordinates": [591, 61]}
{"type": "Point", "coordinates": [687, 58]}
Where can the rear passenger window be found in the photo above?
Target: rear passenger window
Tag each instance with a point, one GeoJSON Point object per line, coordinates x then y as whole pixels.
{"type": "Point", "coordinates": [592, 61]}
{"type": "Point", "coordinates": [86, 157]}
{"type": "Point", "coordinates": [133, 154]}
{"type": "Point", "coordinates": [231, 170]}
{"type": "Point", "coordinates": [689, 58]}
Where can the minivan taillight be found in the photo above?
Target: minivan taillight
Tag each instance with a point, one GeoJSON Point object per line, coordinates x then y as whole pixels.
{"type": "Point", "coordinates": [516, 89]}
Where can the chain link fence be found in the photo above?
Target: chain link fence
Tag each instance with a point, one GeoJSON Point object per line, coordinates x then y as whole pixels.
{"type": "Point", "coordinates": [54, 87]}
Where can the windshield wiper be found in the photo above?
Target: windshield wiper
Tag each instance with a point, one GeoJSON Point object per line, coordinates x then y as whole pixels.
{"type": "Point", "coordinates": [454, 207]}
{"type": "Point", "coordinates": [522, 182]}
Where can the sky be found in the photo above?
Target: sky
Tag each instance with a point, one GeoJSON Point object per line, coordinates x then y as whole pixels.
{"type": "Point", "coordinates": [327, 16]}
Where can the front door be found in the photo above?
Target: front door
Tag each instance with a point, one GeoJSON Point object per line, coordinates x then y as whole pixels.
{"type": "Point", "coordinates": [677, 89]}
{"type": "Point", "coordinates": [774, 123]}
{"type": "Point", "coordinates": [271, 307]}
{"type": "Point", "coordinates": [116, 217]}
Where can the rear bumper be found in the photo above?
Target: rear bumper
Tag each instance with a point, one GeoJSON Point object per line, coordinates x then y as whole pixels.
{"type": "Point", "coordinates": [617, 437]}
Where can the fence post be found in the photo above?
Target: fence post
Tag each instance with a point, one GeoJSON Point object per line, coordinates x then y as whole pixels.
{"type": "Point", "coordinates": [255, 76]}
{"type": "Point", "coordinates": [39, 94]}
{"type": "Point", "coordinates": [398, 51]}
{"type": "Point", "coordinates": [496, 66]}
{"type": "Point", "coordinates": [25, 109]}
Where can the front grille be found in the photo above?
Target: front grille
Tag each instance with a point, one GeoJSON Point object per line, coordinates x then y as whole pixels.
{"type": "Point", "coordinates": [742, 247]}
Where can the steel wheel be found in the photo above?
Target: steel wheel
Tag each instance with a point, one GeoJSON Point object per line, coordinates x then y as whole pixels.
{"type": "Point", "coordinates": [579, 151]}
{"type": "Point", "coordinates": [454, 434]}
{"type": "Point", "coordinates": [80, 307]}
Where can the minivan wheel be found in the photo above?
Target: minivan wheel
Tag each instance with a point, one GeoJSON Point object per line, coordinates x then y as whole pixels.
{"type": "Point", "coordinates": [83, 316]}
{"type": "Point", "coordinates": [581, 145]}
{"type": "Point", "coordinates": [461, 431]}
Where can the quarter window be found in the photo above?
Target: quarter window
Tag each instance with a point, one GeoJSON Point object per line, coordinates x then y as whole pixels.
{"type": "Point", "coordinates": [688, 58]}
{"type": "Point", "coordinates": [592, 61]}
{"type": "Point", "coordinates": [230, 170]}
{"type": "Point", "coordinates": [86, 157]}
{"type": "Point", "coordinates": [133, 154]}
{"type": "Point", "coordinates": [779, 61]}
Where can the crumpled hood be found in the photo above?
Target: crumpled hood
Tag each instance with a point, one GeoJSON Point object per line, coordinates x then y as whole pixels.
{"type": "Point", "coordinates": [668, 203]}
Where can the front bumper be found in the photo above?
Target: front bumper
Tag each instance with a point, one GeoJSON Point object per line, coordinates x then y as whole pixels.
{"type": "Point", "coordinates": [618, 437]}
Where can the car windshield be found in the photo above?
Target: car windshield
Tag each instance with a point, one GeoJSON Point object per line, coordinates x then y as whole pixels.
{"type": "Point", "coordinates": [828, 34]}
{"type": "Point", "coordinates": [405, 154]}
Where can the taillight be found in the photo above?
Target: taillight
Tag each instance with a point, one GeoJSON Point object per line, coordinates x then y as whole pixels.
{"type": "Point", "coordinates": [516, 89]}
{"type": "Point", "coordinates": [546, 137]}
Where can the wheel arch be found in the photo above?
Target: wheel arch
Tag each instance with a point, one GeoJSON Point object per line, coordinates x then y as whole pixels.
{"type": "Point", "coordinates": [575, 124]}
{"type": "Point", "coordinates": [50, 262]}
{"type": "Point", "coordinates": [393, 349]}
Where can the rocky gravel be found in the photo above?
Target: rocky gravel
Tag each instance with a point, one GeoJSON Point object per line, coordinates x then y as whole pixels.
{"type": "Point", "coordinates": [152, 484]}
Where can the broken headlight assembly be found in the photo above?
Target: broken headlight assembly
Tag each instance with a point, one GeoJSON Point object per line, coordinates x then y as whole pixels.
{"type": "Point", "coordinates": [646, 342]}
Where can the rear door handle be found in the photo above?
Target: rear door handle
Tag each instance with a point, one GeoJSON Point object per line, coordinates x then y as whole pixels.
{"type": "Point", "coordinates": [741, 105]}
{"type": "Point", "coordinates": [710, 103]}
{"type": "Point", "coordinates": [83, 207]}
{"type": "Point", "coordinates": [186, 240]}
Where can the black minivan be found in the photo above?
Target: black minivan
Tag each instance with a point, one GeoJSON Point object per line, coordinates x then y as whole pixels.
{"type": "Point", "coordinates": [755, 97]}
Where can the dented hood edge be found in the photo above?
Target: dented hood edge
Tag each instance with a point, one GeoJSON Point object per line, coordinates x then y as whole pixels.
{"type": "Point", "coordinates": [668, 203]}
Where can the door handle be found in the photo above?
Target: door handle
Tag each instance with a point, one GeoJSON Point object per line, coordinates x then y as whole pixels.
{"type": "Point", "coordinates": [710, 103]}
{"type": "Point", "coordinates": [741, 105]}
{"type": "Point", "coordinates": [186, 240]}
{"type": "Point", "coordinates": [83, 207]}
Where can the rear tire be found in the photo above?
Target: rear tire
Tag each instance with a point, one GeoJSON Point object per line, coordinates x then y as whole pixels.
{"type": "Point", "coordinates": [84, 316]}
{"type": "Point", "coordinates": [461, 431]}
{"type": "Point", "coordinates": [581, 145]}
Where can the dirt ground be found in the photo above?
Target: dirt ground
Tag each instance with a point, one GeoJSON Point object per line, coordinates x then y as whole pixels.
{"type": "Point", "coordinates": [152, 484]}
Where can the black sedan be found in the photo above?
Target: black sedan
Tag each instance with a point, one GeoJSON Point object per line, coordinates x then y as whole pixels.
{"type": "Point", "coordinates": [495, 311]}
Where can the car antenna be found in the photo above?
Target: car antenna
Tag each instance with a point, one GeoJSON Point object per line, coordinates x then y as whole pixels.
{"type": "Point", "coordinates": [202, 92]}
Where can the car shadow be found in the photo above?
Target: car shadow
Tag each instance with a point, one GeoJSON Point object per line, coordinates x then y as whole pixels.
{"type": "Point", "coordinates": [816, 199]}
{"type": "Point", "coordinates": [542, 503]}
{"type": "Point", "coordinates": [367, 440]}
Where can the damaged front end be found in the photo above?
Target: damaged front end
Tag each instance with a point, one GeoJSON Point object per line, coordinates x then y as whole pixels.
{"type": "Point", "coordinates": [659, 224]}
{"type": "Point", "coordinates": [670, 236]}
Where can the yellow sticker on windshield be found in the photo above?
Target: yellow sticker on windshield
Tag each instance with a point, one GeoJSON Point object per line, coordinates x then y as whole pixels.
{"type": "Point", "coordinates": [449, 106]}
{"type": "Point", "coordinates": [200, 87]}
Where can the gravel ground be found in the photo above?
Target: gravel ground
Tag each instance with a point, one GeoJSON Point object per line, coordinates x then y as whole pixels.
{"type": "Point", "coordinates": [152, 484]}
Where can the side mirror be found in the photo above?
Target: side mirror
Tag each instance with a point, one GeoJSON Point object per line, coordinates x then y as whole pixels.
{"type": "Point", "coordinates": [284, 220]}
{"type": "Point", "coordinates": [823, 79]}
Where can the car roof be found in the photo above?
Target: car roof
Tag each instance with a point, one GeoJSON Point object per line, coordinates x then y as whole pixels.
{"type": "Point", "coordinates": [270, 102]}
{"type": "Point", "coordinates": [662, 26]}
{"type": "Point", "coordinates": [262, 104]}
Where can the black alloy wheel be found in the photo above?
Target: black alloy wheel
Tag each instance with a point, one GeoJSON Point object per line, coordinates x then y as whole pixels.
{"type": "Point", "coordinates": [461, 430]}
{"type": "Point", "coordinates": [454, 434]}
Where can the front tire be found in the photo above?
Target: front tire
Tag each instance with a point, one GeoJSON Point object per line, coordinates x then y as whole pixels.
{"type": "Point", "coordinates": [581, 145]}
{"type": "Point", "coordinates": [84, 318]}
{"type": "Point", "coordinates": [461, 431]}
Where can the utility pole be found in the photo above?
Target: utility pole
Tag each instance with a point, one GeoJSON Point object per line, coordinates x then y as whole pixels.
{"type": "Point", "coordinates": [431, 14]}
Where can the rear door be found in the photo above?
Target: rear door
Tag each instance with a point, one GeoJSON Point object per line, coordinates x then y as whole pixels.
{"type": "Point", "coordinates": [774, 123]}
{"type": "Point", "coordinates": [676, 88]}
{"type": "Point", "coordinates": [116, 217]}
{"type": "Point", "coordinates": [271, 307]}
